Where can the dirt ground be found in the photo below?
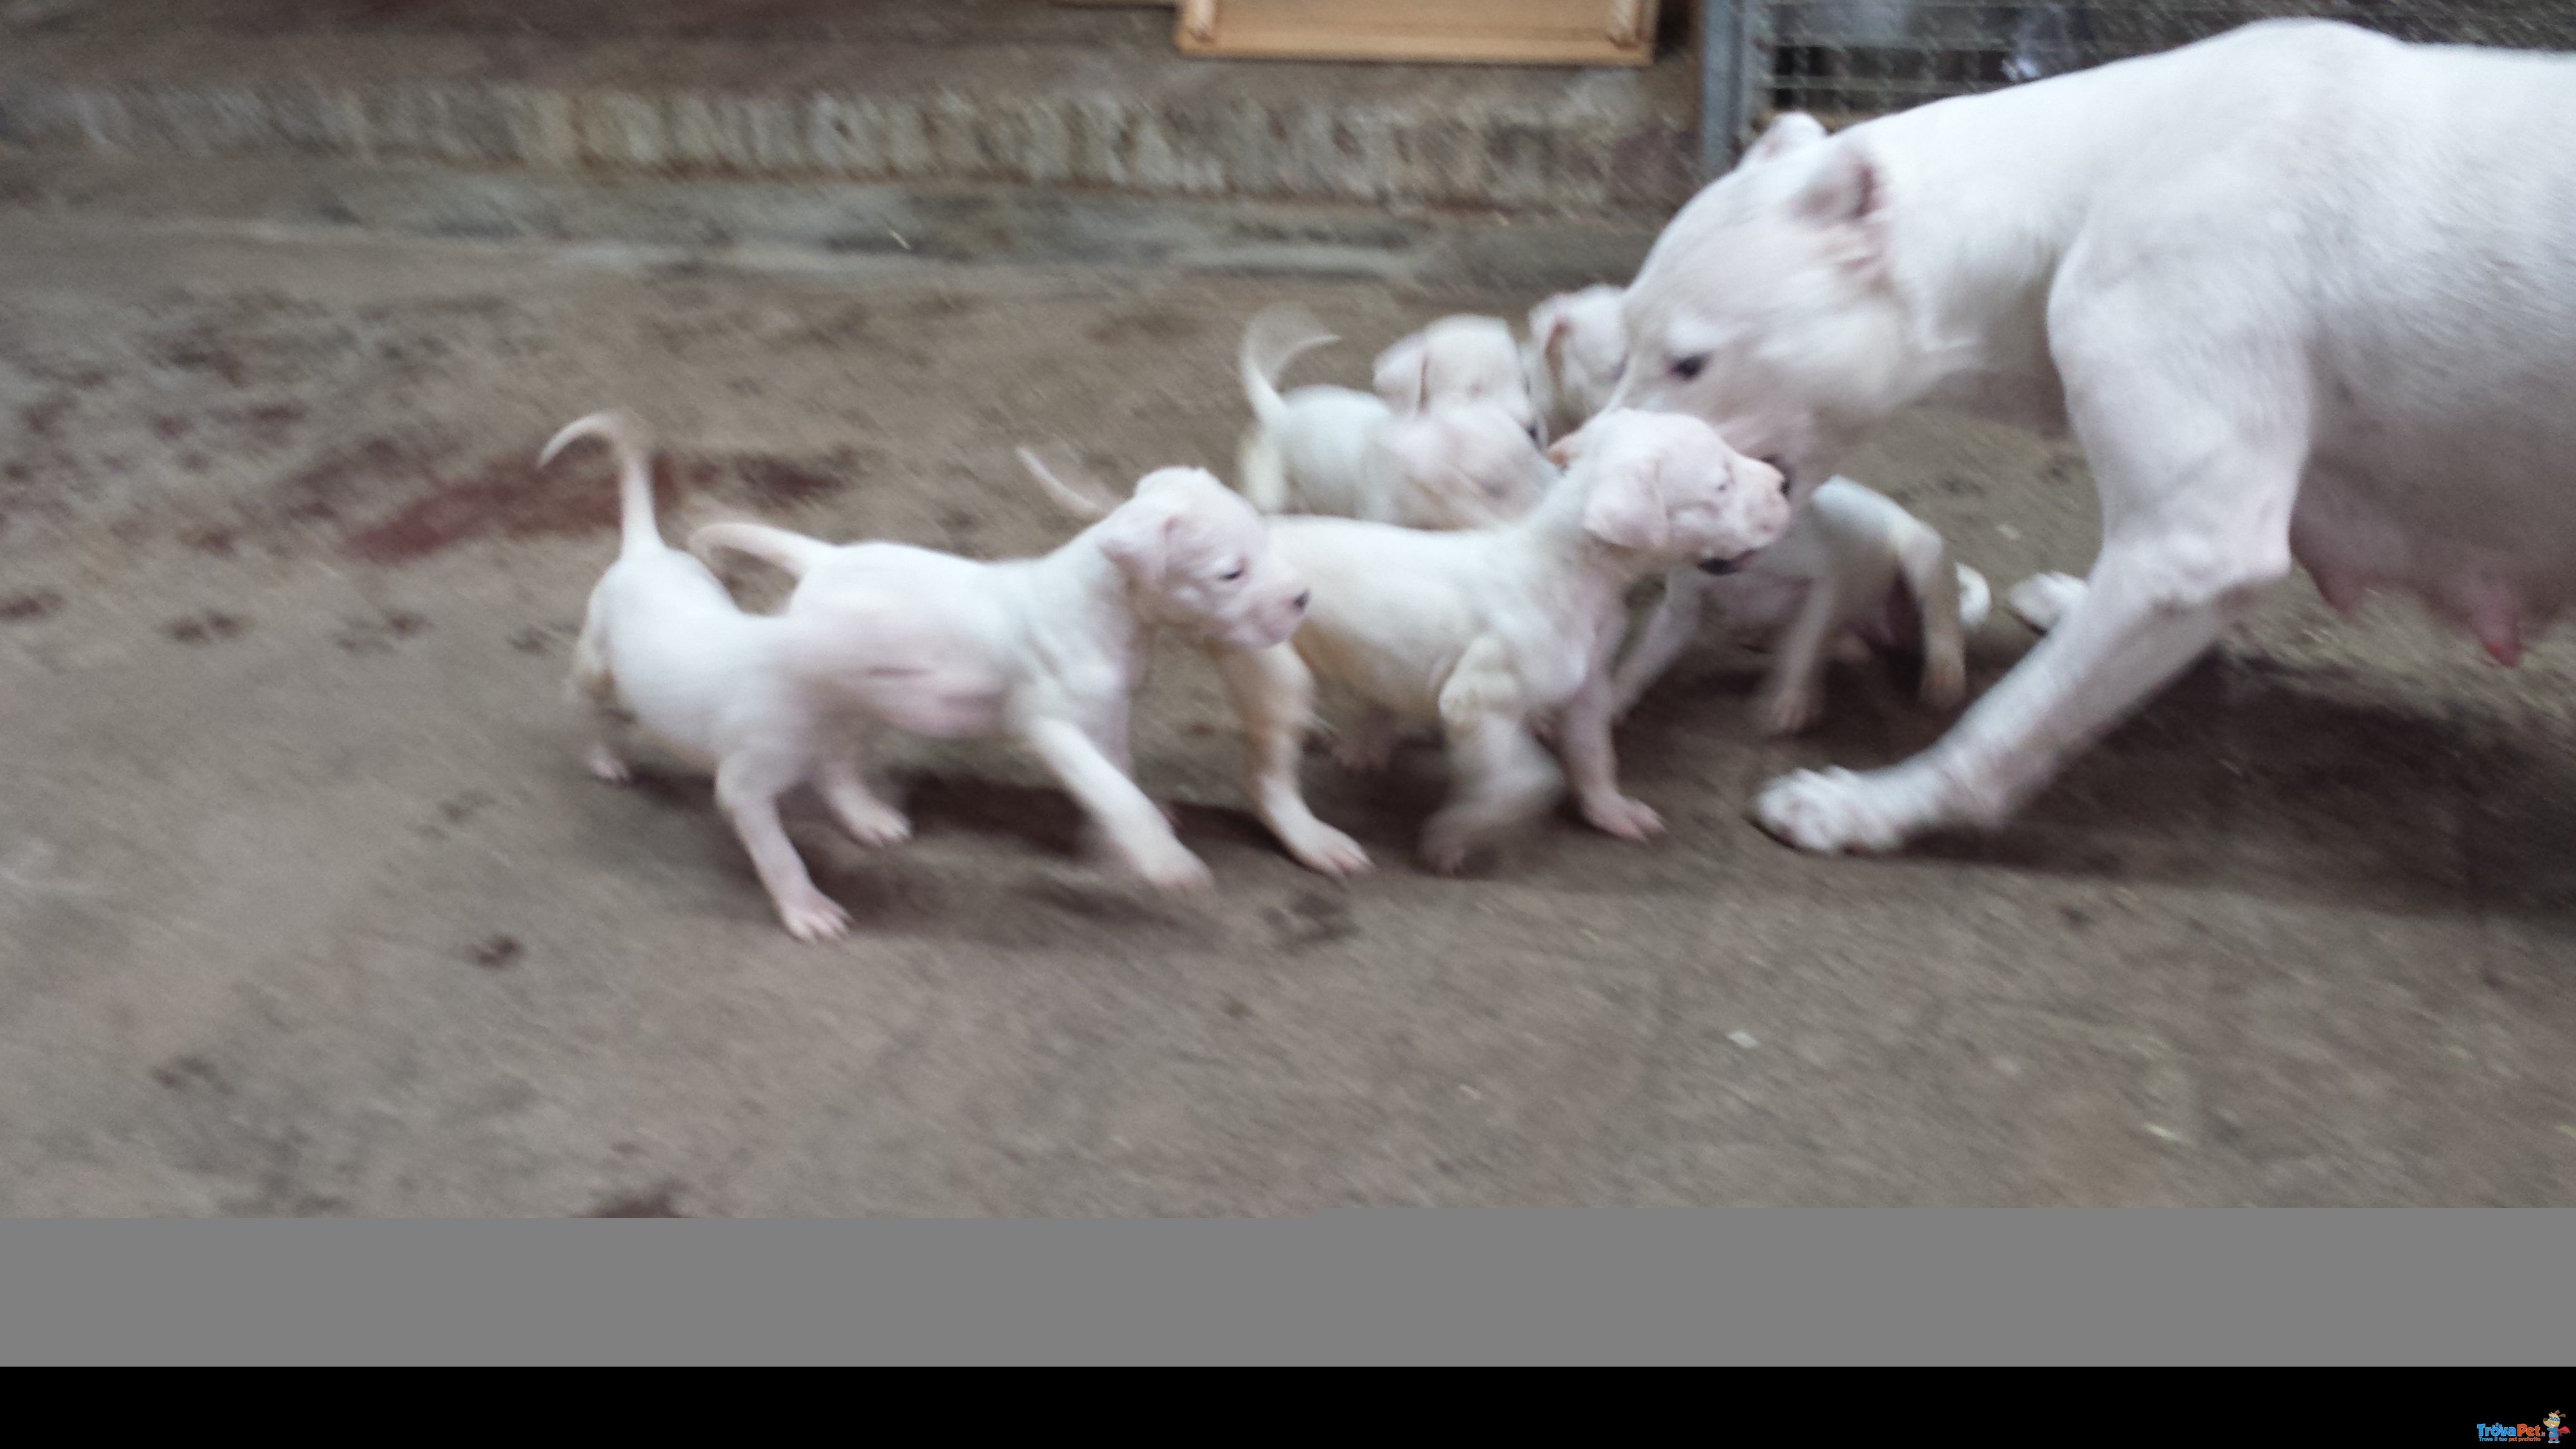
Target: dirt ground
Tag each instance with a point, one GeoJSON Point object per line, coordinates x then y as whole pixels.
{"type": "Point", "coordinates": [307, 905]}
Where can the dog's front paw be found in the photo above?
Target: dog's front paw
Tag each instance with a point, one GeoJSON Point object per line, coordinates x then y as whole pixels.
{"type": "Point", "coordinates": [1787, 711]}
{"type": "Point", "coordinates": [2043, 601]}
{"type": "Point", "coordinates": [880, 827]}
{"type": "Point", "coordinates": [1319, 847]}
{"type": "Point", "coordinates": [1447, 843]}
{"type": "Point", "coordinates": [813, 916]}
{"type": "Point", "coordinates": [1835, 811]}
{"type": "Point", "coordinates": [1620, 816]}
{"type": "Point", "coordinates": [1178, 871]}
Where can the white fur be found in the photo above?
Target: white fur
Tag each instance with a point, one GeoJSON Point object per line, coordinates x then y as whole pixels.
{"type": "Point", "coordinates": [1069, 634]}
{"type": "Point", "coordinates": [1853, 568]}
{"type": "Point", "coordinates": [765, 703]}
{"type": "Point", "coordinates": [1334, 451]}
{"type": "Point", "coordinates": [2303, 293]}
{"type": "Point", "coordinates": [1459, 360]}
{"type": "Point", "coordinates": [1492, 633]}
{"type": "Point", "coordinates": [1577, 349]}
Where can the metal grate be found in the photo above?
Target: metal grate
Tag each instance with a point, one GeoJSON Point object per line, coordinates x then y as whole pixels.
{"type": "Point", "coordinates": [1845, 60]}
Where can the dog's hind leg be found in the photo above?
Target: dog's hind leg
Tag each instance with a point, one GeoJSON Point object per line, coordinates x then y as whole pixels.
{"type": "Point", "coordinates": [1935, 583]}
{"type": "Point", "coordinates": [1274, 699]}
{"type": "Point", "coordinates": [1794, 693]}
{"type": "Point", "coordinates": [869, 820]}
{"type": "Point", "coordinates": [593, 684]}
{"type": "Point", "coordinates": [748, 786]}
{"type": "Point", "coordinates": [1500, 776]}
{"type": "Point", "coordinates": [1674, 624]}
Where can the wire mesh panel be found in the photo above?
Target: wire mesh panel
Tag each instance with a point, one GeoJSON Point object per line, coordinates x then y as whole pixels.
{"type": "Point", "coordinates": [1844, 60]}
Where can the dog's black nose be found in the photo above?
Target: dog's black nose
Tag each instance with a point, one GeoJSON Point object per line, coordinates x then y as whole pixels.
{"type": "Point", "coordinates": [1718, 565]}
{"type": "Point", "coordinates": [1302, 596]}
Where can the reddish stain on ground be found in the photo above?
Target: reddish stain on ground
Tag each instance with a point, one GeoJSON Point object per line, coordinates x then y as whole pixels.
{"type": "Point", "coordinates": [512, 498]}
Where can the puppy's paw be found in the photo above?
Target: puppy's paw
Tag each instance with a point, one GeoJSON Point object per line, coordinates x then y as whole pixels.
{"type": "Point", "coordinates": [1177, 871]}
{"type": "Point", "coordinates": [1945, 681]}
{"type": "Point", "coordinates": [813, 917]}
{"type": "Point", "coordinates": [1447, 844]}
{"type": "Point", "coordinates": [881, 827]}
{"type": "Point", "coordinates": [1321, 848]}
{"type": "Point", "coordinates": [1787, 711]}
{"type": "Point", "coordinates": [1623, 817]}
{"type": "Point", "coordinates": [605, 764]}
{"type": "Point", "coordinates": [2043, 601]}
{"type": "Point", "coordinates": [1835, 811]}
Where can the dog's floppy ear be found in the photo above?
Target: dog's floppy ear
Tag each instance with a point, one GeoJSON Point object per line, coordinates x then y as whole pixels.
{"type": "Point", "coordinates": [1404, 373]}
{"type": "Point", "coordinates": [1142, 535]}
{"type": "Point", "coordinates": [1565, 450]}
{"type": "Point", "coordinates": [1791, 131]}
{"type": "Point", "coordinates": [1625, 506]}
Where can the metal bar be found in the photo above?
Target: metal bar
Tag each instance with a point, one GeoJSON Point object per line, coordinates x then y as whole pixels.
{"type": "Point", "coordinates": [1721, 83]}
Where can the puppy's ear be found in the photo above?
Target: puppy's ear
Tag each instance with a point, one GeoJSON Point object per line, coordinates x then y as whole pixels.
{"type": "Point", "coordinates": [1404, 373]}
{"type": "Point", "coordinates": [1565, 450]}
{"type": "Point", "coordinates": [1625, 507]}
{"type": "Point", "coordinates": [1794, 129]}
{"type": "Point", "coordinates": [1142, 537]}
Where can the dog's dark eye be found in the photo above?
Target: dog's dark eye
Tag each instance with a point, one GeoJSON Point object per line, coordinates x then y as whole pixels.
{"type": "Point", "coordinates": [1689, 367]}
{"type": "Point", "coordinates": [1232, 574]}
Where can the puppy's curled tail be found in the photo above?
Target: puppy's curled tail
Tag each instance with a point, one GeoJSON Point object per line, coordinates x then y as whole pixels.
{"type": "Point", "coordinates": [1274, 340]}
{"type": "Point", "coordinates": [793, 552]}
{"type": "Point", "coordinates": [626, 436]}
{"type": "Point", "coordinates": [1083, 498]}
{"type": "Point", "coordinates": [1976, 600]}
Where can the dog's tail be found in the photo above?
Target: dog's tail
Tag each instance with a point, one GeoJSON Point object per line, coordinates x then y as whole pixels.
{"type": "Point", "coordinates": [1084, 498]}
{"type": "Point", "coordinates": [793, 552]}
{"type": "Point", "coordinates": [1272, 342]}
{"type": "Point", "coordinates": [626, 435]}
{"type": "Point", "coordinates": [1976, 600]}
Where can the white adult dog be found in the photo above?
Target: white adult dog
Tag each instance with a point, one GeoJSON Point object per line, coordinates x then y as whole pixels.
{"type": "Point", "coordinates": [1068, 634]}
{"type": "Point", "coordinates": [766, 703]}
{"type": "Point", "coordinates": [2302, 292]}
{"type": "Point", "coordinates": [1460, 360]}
{"type": "Point", "coordinates": [1451, 463]}
{"type": "Point", "coordinates": [1855, 572]}
{"type": "Point", "coordinates": [1495, 633]}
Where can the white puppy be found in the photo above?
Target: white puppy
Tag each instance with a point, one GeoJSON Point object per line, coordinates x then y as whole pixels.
{"type": "Point", "coordinates": [1833, 581]}
{"type": "Point", "coordinates": [1460, 360]}
{"type": "Point", "coordinates": [1854, 570]}
{"type": "Point", "coordinates": [1069, 634]}
{"type": "Point", "coordinates": [1334, 451]}
{"type": "Point", "coordinates": [765, 703]}
{"type": "Point", "coordinates": [1489, 634]}
{"type": "Point", "coordinates": [2302, 292]}
{"type": "Point", "coordinates": [1577, 347]}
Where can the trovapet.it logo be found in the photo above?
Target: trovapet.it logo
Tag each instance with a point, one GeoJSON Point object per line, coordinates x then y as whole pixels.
{"type": "Point", "coordinates": [2549, 1430]}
